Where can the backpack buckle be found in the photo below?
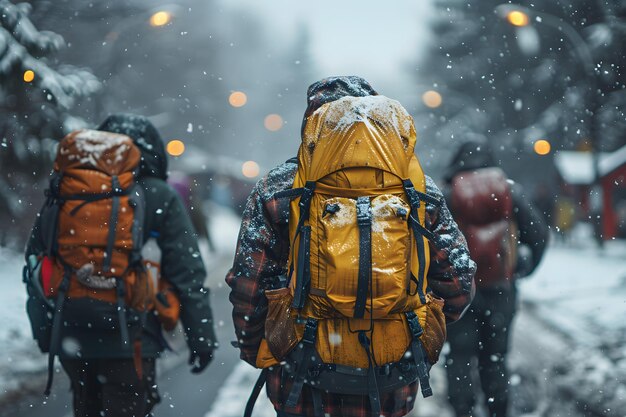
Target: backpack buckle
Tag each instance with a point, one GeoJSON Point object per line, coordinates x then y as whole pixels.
{"type": "Point", "coordinates": [310, 331]}
{"type": "Point", "coordinates": [331, 208]}
{"type": "Point", "coordinates": [414, 324]}
{"type": "Point", "coordinates": [307, 195]}
{"type": "Point", "coordinates": [363, 211]}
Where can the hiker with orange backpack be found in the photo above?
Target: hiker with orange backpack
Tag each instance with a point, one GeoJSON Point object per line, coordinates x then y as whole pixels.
{"type": "Point", "coordinates": [507, 238]}
{"type": "Point", "coordinates": [349, 265]}
{"type": "Point", "coordinates": [93, 300]}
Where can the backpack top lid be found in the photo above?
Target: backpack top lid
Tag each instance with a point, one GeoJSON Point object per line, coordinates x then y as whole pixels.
{"type": "Point", "coordinates": [481, 196]}
{"type": "Point", "coordinates": [351, 132]}
{"type": "Point", "coordinates": [109, 153]}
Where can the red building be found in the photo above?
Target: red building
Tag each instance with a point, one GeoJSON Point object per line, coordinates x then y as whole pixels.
{"type": "Point", "coordinates": [609, 198]}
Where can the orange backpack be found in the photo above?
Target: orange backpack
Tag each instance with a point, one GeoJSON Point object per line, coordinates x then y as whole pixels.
{"type": "Point", "coordinates": [92, 271]}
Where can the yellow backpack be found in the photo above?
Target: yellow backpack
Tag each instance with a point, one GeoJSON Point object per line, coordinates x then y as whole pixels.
{"type": "Point", "coordinates": [355, 316]}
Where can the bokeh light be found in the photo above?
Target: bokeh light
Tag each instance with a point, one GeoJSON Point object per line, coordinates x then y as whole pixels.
{"type": "Point", "coordinates": [175, 147]}
{"type": "Point", "coordinates": [238, 99]}
{"type": "Point", "coordinates": [542, 147]}
{"type": "Point", "coordinates": [250, 169]}
{"type": "Point", "coordinates": [160, 18]}
{"type": "Point", "coordinates": [432, 99]}
{"type": "Point", "coordinates": [517, 18]}
{"type": "Point", "coordinates": [273, 122]}
{"type": "Point", "coordinates": [29, 76]}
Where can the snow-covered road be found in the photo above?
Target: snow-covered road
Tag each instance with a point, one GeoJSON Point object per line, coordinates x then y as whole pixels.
{"type": "Point", "coordinates": [568, 356]}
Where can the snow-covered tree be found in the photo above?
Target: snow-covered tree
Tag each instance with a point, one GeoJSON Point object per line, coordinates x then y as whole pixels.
{"type": "Point", "coordinates": [37, 95]}
{"type": "Point", "coordinates": [475, 66]}
{"type": "Point", "coordinates": [513, 86]}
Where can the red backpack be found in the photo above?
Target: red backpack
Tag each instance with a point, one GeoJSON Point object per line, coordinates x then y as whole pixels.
{"type": "Point", "coordinates": [483, 208]}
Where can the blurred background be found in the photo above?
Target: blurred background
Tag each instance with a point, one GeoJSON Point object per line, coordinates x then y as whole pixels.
{"type": "Point", "coordinates": [225, 83]}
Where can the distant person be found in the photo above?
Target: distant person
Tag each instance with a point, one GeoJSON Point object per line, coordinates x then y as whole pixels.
{"type": "Point", "coordinates": [91, 299]}
{"type": "Point", "coordinates": [348, 264]}
{"type": "Point", "coordinates": [183, 184]}
{"type": "Point", "coordinates": [506, 238]}
{"type": "Point", "coordinates": [565, 217]}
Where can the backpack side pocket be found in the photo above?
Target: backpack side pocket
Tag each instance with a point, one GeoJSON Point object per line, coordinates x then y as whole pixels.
{"type": "Point", "coordinates": [280, 325]}
{"type": "Point", "coordinates": [435, 331]}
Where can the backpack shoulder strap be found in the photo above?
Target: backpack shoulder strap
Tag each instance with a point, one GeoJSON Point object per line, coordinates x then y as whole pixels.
{"type": "Point", "coordinates": [137, 200]}
{"type": "Point", "coordinates": [50, 214]}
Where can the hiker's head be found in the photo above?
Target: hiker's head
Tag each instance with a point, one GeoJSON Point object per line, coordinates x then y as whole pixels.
{"type": "Point", "coordinates": [145, 136]}
{"type": "Point", "coordinates": [471, 155]}
{"type": "Point", "coordinates": [333, 88]}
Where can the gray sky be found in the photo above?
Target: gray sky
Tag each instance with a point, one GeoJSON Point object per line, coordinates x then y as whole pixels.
{"type": "Point", "coordinates": [374, 39]}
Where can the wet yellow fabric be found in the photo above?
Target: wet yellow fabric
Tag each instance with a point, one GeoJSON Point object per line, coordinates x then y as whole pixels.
{"type": "Point", "coordinates": [360, 146]}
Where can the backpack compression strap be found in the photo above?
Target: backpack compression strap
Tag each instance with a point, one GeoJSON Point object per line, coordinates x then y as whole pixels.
{"type": "Point", "coordinates": [372, 383]}
{"type": "Point", "coordinates": [364, 221]}
{"type": "Point", "coordinates": [50, 215]}
{"type": "Point", "coordinates": [254, 395]}
{"type": "Point", "coordinates": [417, 351]}
{"type": "Point", "coordinates": [138, 202]}
{"type": "Point", "coordinates": [306, 351]}
{"type": "Point", "coordinates": [115, 208]}
{"type": "Point", "coordinates": [303, 273]}
{"type": "Point", "coordinates": [420, 231]}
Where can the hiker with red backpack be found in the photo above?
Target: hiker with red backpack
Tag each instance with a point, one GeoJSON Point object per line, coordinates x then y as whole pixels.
{"type": "Point", "coordinates": [349, 265]}
{"type": "Point", "coordinates": [94, 301]}
{"type": "Point", "coordinates": [507, 238]}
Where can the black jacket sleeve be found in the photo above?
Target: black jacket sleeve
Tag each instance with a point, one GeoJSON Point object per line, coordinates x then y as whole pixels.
{"type": "Point", "coordinates": [35, 244]}
{"type": "Point", "coordinates": [181, 263]}
{"type": "Point", "coordinates": [533, 231]}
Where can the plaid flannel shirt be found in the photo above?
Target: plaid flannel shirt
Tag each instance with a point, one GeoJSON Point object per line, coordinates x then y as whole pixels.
{"type": "Point", "coordinates": [262, 254]}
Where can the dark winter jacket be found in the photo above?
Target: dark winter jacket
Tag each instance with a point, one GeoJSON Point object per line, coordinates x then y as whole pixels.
{"type": "Point", "coordinates": [263, 251]}
{"type": "Point", "coordinates": [533, 231]}
{"type": "Point", "coordinates": [166, 221]}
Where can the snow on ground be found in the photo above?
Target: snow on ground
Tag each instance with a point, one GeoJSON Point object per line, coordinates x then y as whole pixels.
{"type": "Point", "coordinates": [580, 291]}
{"type": "Point", "coordinates": [571, 325]}
{"type": "Point", "coordinates": [21, 360]}
{"type": "Point", "coordinates": [567, 355]}
{"type": "Point", "coordinates": [232, 398]}
{"type": "Point", "coordinates": [20, 357]}
{"type": "Point", "coordinates": [224, 229]}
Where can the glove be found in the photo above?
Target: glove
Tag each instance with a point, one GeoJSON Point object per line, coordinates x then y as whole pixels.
{"type": "Point", "coordinates": [200, 360]}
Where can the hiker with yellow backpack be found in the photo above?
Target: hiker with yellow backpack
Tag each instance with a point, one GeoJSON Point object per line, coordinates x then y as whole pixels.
{"type": "Point", "coordinates": [348, 266]}
{"type": "Point", "coordinates": [94, 301]}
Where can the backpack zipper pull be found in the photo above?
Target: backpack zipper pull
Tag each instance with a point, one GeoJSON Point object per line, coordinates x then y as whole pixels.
{"type": "Point", "coordinates": [331, 208]}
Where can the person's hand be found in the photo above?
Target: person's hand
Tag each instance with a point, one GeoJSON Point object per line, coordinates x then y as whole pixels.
{"type": "Point", "coordinates": [200, 360]}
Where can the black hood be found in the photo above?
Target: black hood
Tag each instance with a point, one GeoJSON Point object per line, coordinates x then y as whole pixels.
{"type": "Point", "coordinates": [470, 156]}
{"type": "Point", "coordinates": [333, 88]}
{"type": "Point", "coordinates": [146, 137]}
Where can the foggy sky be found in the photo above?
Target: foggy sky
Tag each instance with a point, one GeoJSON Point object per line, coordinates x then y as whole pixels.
{"type": "Point", "coordinates": [379, 41]}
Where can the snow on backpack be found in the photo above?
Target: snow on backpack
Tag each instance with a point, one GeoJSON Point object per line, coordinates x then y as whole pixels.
{"type": "Point", "coordinates": [92, 273]}
{"type": "Point", "coordinates": [355, 316]}
{"type": "Point", "coordinates": [483, 208]}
